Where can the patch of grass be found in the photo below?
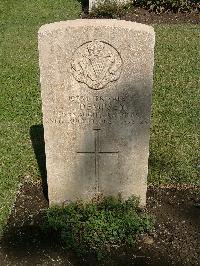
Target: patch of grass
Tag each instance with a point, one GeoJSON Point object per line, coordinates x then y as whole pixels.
{"type": "Point", "coordinates": [175, 118]}
{"type": "Point", "coordinates": [97, 227]}
{"type": "Point", "coordinates": [20, 91]}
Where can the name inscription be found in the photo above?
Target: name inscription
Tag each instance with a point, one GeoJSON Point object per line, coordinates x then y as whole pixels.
{"type": "Point", "coordinates": [95, 110]}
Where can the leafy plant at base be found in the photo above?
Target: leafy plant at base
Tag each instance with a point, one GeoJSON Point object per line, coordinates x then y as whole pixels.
{"type": "Point", "coordinates": [96, 227]}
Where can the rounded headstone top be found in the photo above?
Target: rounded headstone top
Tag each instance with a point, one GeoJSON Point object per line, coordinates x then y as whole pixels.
{"type": "Point", "coordinates": [95, 23]}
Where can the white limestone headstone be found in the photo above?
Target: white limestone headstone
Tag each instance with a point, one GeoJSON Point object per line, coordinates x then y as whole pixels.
{"type": "Point", "coordinates": [96, 78]}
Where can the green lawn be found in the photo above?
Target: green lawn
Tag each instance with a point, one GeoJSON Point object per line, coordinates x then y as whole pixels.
{"type": "Point", "coordinates": [20, 91]}
{"type": "Point", "coordinates": [174, 134]}
{"type": "Point", "coordinates": [176, 98]}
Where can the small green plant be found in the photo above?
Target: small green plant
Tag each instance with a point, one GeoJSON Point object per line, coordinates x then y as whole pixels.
{"type": "Point", "coordinates": [98, 226]}
{"type": "Point", "coordinates": [109, 9]}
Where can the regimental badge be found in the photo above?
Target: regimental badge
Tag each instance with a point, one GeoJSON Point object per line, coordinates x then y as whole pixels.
{"type": "Point", "coordinates": [96, 64]}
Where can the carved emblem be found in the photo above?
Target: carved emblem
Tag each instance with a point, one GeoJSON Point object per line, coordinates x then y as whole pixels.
{"type": "Point", "coordinates": [96, 64]}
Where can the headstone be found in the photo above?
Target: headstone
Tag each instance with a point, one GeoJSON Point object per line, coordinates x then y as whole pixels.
{"type": "Point", "coordinates": [95, 3]}
{"type": "Point", "coordinates": [96, 78]}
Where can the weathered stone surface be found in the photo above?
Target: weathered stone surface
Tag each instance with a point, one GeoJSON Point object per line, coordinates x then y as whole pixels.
{"type": "Point", "coordinates": [95, 3]}
{"type": "Point", "coordinates": [96, 78]}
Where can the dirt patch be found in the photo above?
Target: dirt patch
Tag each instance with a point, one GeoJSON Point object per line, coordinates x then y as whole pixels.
{"type": "Point", "coordinates": [141, 15]}
{"type": "Point", "coordinates": [175, 241]}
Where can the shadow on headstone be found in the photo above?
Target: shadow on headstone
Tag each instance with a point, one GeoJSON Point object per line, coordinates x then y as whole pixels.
{"type": "Point", "coordinates": [37, 139]}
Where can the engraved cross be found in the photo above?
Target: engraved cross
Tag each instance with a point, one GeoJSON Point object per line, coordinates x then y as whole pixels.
{"type": "Point", "coordinates": [97, 151]}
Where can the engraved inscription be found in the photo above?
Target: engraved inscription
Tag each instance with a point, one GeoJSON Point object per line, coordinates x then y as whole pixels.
{"type": "Point", "coordinates": [97, 152]}
{"type": "Point", "coordinates": [96, 110]}
{"type": "Point", "coordinates": [96, 64]}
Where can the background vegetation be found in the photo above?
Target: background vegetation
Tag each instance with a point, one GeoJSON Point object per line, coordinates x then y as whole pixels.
{"type": "Point", "coordinates": [160, 6]}
{"type": "Point", "coordinates": [112, 9]}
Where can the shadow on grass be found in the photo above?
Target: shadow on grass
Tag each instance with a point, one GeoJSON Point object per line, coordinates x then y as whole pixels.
{"type": "Point", "coordinates": [37, 139]}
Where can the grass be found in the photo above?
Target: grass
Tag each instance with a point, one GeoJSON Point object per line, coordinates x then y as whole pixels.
{"type": "Point", "coordinates": [20, 91]}
{"type": "Point", "coordinates": [175, 126]}
{"type": "Point", "coordinates": [174, 133]}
